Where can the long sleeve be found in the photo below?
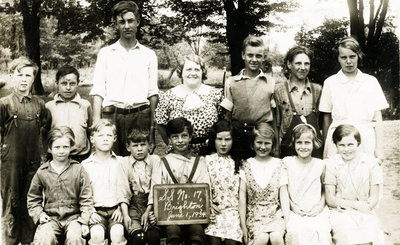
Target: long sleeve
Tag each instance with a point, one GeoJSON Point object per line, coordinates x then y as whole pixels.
{"type": "Point", "coordinates": [85, 197]}
{"type": "Point", "coordinates": [124, 193]}
{"type": "Point", "coordinates": [35, 199]}
{"type": "Point", "coordinates": [153, 75]}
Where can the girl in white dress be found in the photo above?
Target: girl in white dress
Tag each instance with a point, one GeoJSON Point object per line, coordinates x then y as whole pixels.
{"type": "Point", "coordinates": [308, 217]}
{"type": "Point", "coordinates": [261, 218]}
{"type": "Point", "coordinates": [352, 182]}
{"type": "Point", "coordinates": [224, 176]}
{"type": "Point", "coordinates": [353, 97]}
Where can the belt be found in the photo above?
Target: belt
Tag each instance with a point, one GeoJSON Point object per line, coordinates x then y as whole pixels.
{"type": "Point", "coordinates": [133, 110]}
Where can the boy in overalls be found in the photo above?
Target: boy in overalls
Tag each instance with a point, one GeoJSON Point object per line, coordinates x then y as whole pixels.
{"type": "Point", "coordinates": [22, 115]}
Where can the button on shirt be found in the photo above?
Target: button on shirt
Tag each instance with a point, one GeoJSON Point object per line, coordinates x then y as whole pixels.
{"type": "Point", "coordinates": [135, 177]}
{"type": "Point", "coordinates": [249, 99]}
{"type": "Point", "coordinates": [103, 177]}
{"type": "Point", "coordinates": [125, 78]}
{"type": "Point", "coordinates": [67, 195]}
{"type": "Point", "coordinates": [76, 114]}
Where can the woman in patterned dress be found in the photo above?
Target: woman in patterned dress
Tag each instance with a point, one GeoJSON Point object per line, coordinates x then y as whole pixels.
{"type": "Point", "coordinates": [261, 218]}
{"type": "Point", "coordinates": [224, 175]}
{"type": "Point", "coordinates": [193, 100]}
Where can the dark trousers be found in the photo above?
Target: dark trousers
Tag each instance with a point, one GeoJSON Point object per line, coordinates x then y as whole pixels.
{"type": "Point", "coordinates": [125, 123]}
{"type": "Point", "coordinates": [190, 234]}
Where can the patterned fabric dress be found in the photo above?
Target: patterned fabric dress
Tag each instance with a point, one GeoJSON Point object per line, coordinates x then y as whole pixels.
{"type": "Point", "coordinates": [263, 208]}
{"type": "Point", "coordinates": [225, 194]}
{"type": "Point", "coordinates": [199, 107]}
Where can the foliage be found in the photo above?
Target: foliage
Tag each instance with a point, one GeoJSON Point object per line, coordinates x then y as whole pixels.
{"type": "Point", "coordinates": [321, 40]}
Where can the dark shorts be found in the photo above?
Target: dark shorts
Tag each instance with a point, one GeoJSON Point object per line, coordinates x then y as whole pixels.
{"type": "Point", "coordinates": [106, 221]}
{"type": "Point", "coordinates": [188, 233]}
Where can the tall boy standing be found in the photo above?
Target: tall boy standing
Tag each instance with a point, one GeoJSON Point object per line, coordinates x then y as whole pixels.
{"type": "Point", "coordinates": [22, 115]}
{"type": "Point", "coordinates": [103, 168]}
{"type": "Point", "coordinates": [125, 79]}
{"type": "Point", "coordinates": [69, 109]}
{"type": "Point", "coordinates": [248, 95]}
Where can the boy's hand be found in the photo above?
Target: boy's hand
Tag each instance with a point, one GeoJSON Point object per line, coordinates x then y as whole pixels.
{"type": "Point", "coordinates": [117, 215]}
{"type": "Point", "coordinates": [85, 230]}
{"type": "Point", "coordinates": [44, 218]}
{"type": "Point", "coordinates": [94, 218]}
{"type": "Point", "coordinates": [245, 235]}
{"type": "Point", "coordinates": [128, 223]}
{"type": "Point", "coordinates": [152, 218]}
{"type": "Point", "coordinates": [145, 221]}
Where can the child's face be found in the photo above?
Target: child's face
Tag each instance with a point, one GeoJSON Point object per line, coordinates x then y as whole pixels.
{"type": "Point", "coordinates": [223, 143]}
{"type": "Point", "coordinates": [262, 146]}
{"type": "Point", "coordinates": [304, 145]}
{"type": "Point", "coordinates": [67, 86]}
{"type": "Point", "coordinates": [104, 139]}
{"type": "Point", "coordinates": [138, 150]}
{"type": "Point", "coordinates": [60, 149]}
{"type": "Point", "coordinates": [347, 147]}
{"type": "Point", "coordinates": [180, 141]}
{"type": "Point", "coordinates": [253, 58]}
{"type": "Point", "coordinates": [24, 79]}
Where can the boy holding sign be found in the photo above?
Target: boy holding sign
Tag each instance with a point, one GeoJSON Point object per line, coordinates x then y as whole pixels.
{"type": "Point", "coordinates": [134, 187]}
{"type": "Point", "coordinates": [179, 167]}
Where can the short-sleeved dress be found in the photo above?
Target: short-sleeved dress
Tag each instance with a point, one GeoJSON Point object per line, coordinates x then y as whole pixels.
{"type": "Point", "coordinates": [200, 107]}
{"type": "Point", "coordinates": [354, 102]}
{"type": "Point", "coordinates": [263, 180]}
{"type": "Point", "coordinates": [225, 194]}
{"type": "Point", "coordinates": [304, 186]}
{"type": "Point", "coordinates": [353, 182]}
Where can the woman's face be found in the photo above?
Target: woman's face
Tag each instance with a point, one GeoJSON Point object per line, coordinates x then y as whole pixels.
{"type": "Point", "coordinates": [191, 74]}
{"type": "Point", "coordinates": [348, 60]}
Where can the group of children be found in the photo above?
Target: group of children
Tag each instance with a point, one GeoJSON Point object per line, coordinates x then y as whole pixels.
{"type": "Point", "coordinates": [107, 197]}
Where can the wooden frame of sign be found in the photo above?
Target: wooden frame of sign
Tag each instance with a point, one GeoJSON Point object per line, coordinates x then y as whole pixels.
{"type": "Point", "coordinates": [182, 204]}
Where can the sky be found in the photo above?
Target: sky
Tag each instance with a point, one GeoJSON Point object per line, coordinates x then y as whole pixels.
{"type": "Point", "coordinates": [312, 14]}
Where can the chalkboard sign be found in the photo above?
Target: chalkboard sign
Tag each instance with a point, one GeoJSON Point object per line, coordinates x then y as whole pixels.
{"type": "Point", "coordinates": [182, 204]}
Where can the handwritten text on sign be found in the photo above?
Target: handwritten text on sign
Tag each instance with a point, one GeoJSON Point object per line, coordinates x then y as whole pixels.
{"type": "Point", "coordinates": [182, 204]}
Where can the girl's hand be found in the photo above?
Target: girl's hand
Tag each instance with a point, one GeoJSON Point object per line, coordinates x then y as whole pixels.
{"type": "Point", "coordinates": [117, 215]}
{"type": "Point", "coordinates": [245, 235]}
{"type": "Point", "coordinates": [380, 155]}
{"type": "Point", "coordinates": [44, 218]}
{"type": "Point", "coordinates": [94, 218]}
{"type": "Point", "coordinates": [297, 210]}
{"type": "Point", "coordinates": [85, 230]}
{"type": "Point", "coordinates": [215, 208]}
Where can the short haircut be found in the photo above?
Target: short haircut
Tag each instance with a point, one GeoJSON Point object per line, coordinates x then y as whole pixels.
{"type": "Point", "coordinates": [352, 44]}
{"type": "Point", "coordinates": [125, 7]}
{"type": "Point", "coordinates": [21, 62]}
{"type": "Point", "coordinates": [138, 135]}
{"type": "Point", "coordinates": [265, 130]}
{"type": "Point", "coordinates": [305, 128]}
{"type": "Point", "coordinates": [196, 59]}
{"type": "Point", "coordinates": [344, 130]}
{"type": "Point", "coordinates": [65, 70]}
{"type": "Point", "coordinates": [253, 41]}
{"type": "Point", "coordinates": [99, 124]}
{"type": "Point", "coordinates": [59, 132]}
{"type": "Point", "coordinates": [291, 54]}
{"type": "Point", "coordinates": [178, 125]}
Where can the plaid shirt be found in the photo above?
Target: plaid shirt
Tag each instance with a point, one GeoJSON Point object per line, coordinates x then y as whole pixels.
{"type": "Point", "coordinates": [302, 102]}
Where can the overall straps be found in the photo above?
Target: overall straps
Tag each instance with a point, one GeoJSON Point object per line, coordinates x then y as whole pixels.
{"type": "Point", "coordinates": [291, 100]}
{"type": "Point", "coordinates": [169, 170]}
{"type": "Point", "coordinates": [196, 163]}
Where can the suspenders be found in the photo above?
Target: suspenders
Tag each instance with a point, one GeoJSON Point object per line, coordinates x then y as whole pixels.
{"type": "Point", "coordinates": [196, 163]}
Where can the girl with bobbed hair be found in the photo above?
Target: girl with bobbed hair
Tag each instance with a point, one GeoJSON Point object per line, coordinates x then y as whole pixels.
{"type": "Point", "coordinates": [353, 97]}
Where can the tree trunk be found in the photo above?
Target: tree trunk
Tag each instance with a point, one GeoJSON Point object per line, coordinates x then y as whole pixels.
{"type": "Point", "coordinates": [236, 31]}
{"type": "Point", "coordinates": [31, 23]}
